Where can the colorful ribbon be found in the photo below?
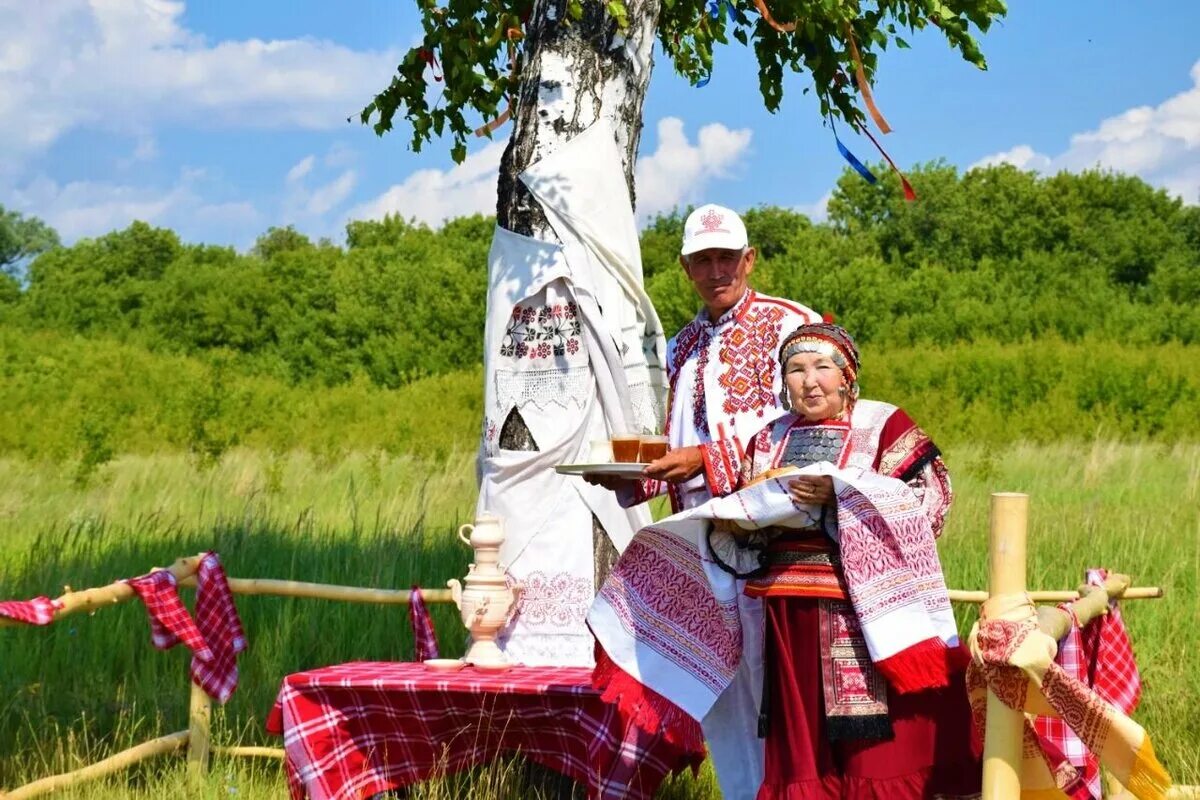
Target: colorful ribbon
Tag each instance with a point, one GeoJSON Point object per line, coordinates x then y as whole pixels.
{"type": "Point", "coordinates": [513, 35]}
{"type": "Point", "coordinates": [429, 58]}
{"type": "Point", "coordinates": [909, 193]}
{"type": "Point", "coordinates": [863, 86]}
{"type": "Point", "coordinates": [782, 27]}
{"type": "Point", "coordinates": [858, 166]}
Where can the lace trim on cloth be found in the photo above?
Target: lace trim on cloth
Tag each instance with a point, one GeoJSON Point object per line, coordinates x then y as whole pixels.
{"type": "Point", "coordinates": [549, 650]}
{"type": "Point", "coordinates": [648, 405]}
{"type": "Point", "coordinates": [544, 387]}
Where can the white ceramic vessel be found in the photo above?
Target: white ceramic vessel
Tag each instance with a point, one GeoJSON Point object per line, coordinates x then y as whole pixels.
{"type": "Point", "coordinates": [485, 598]}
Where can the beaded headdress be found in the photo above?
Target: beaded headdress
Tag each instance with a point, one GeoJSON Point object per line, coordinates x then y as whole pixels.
{"type": "Point", "coordinates": [829, 340]}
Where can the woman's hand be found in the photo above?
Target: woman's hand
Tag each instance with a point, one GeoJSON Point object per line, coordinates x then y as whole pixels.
{"type": "Point", "coordinates": [812, 490]}
{"type": "Point", "coordinates": [676, 466]}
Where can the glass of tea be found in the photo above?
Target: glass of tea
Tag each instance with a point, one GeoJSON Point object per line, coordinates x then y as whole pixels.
{"type": "Point", "coordinates": [653, 448]}
{"type": "Point", "coordinates": [625, 447]}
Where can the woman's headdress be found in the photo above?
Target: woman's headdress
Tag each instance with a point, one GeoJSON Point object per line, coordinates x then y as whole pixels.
{"type": "Point", "coordinates": [829, 340]}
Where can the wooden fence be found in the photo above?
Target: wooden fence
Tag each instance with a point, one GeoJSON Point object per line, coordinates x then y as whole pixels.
{"type": "Point", "coordinates": [1004, 555]}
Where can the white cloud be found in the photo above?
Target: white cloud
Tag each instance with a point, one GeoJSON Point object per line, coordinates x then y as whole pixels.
{"type": "Point", "coordinates": [432, 196]}
{"type": "Point", "coordinates": [675, 173]}
{"type": "Point", "coordinates": [81, 209]}
{"type": "Point", "coordinates": [299, 201]}
{"type": "Point", "coordinates": [818, 211]}
{"type": "Point", "coordinates": [1022, 157]}
{"type": "Point", "coordinates": [325, 198]}
{"type": "Point", "coordinates": [1161, 144]}
{"type": "Point", "coordinates": [678, 171]}
{"type": "Point", "coordinates": [125, 65]}
{"type": "Point", "coordinates": [302, 168]}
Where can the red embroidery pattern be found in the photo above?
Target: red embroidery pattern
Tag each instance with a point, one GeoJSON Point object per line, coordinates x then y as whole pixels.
{"type": "Point", "coordinates": [661, 594]}
{"type": "Point", "coordinates": [542, 331]}
{"type": "Point", "coordinates": [699, 399]}
{"type": "Point", "coordinates": [1084, 712]}
{"type": "Point", "coordinates": [748, 354]}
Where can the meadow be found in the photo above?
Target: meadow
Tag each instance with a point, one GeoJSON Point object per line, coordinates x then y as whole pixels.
{"type": "Point", "coordinates": [90, 685]}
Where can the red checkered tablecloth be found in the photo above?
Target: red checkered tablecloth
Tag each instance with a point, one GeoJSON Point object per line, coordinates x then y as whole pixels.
{"type": "Point", "coordinates": [357, 729]}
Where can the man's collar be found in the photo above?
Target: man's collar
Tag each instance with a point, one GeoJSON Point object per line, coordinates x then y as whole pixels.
{"type": "Point", "coordinates": [735, 312]}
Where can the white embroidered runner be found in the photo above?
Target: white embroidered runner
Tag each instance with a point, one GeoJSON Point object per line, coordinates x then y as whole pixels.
{"type": "Point", "coordinates": [575, 373]}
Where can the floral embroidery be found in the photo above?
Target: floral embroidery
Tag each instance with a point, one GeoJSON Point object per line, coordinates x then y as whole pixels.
{"type": "Point", "coordinates": [558, 599]}
{"type": "Point", "coordinates": [542, 331]}
{"type": "Point", "coordinates": [490, 429]}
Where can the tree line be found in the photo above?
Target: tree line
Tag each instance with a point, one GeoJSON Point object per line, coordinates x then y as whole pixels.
{"type": "Point", "coordinates": [995, 254]}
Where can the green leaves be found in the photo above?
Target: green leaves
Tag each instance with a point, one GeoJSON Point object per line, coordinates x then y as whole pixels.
{"type": "Point", "coordinates": [461, 68]}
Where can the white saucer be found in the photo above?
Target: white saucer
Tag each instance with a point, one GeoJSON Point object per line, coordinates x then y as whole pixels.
{"type": "Point", "coordinates": [444, 664]}
{"type": "Point", "coordinates": [493, 667]}
{"type": "Point", "coordinates": [623, 470]}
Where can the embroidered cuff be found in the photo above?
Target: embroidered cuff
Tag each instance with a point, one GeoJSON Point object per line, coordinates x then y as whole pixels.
{"type": "Point", "coordinates": [640, 492]}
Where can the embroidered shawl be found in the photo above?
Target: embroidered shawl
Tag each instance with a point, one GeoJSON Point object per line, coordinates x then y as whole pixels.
{"type": "Point", "coordinates": [667, 616]}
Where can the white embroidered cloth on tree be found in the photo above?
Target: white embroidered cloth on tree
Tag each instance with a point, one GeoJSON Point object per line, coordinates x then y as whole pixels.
{"type": "Point", "coordinates": [573, 344]}
{"type": "Point", "coordinates": [668, 616]}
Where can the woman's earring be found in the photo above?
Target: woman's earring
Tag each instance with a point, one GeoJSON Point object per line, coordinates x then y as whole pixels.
{"type": "Point", "coordinates": [784, 400]}
{"type": "Point", "coordinates": [842, 390]}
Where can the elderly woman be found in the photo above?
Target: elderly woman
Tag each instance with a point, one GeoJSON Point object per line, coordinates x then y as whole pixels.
{"type": "Point", "coordinates": [837, 724]}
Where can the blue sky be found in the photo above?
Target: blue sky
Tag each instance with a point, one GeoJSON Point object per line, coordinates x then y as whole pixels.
{"type": "Point", "coordinates": [221, 118]}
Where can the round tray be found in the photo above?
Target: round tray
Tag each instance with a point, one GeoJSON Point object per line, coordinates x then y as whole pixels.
{"type": "Point", "coordinates": [622, 470]}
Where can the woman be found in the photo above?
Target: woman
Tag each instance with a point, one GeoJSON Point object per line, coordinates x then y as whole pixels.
{"type": "Point", "coordinates": [837, 724]}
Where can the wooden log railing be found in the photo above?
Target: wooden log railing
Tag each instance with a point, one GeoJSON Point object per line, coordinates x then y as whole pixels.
{"type": "Point", "coordinates": [197, 739]}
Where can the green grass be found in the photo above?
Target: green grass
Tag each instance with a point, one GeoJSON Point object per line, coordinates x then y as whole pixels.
{"type": "Point", "coordinates": [90, 685]}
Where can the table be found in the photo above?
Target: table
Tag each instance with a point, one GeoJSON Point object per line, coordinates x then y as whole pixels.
{"type": "Point", "coordinates": [357, 729]}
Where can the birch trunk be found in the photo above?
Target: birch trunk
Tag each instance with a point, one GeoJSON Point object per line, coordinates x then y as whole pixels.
{"type": "Point", "coordinates": [575, 73]}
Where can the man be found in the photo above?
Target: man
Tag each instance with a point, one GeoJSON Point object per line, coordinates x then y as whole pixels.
{"type": "Point", "coordinates": [724, 386]}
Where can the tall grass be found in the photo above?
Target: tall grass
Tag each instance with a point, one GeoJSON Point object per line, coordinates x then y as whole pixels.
{"type": "Point", "coordinates": [90, 685]}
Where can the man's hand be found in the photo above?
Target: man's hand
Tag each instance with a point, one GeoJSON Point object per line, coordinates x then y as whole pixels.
{"type": "Point", "coordinates": [676, 466]}
{"type": "Point", "coordinates": [812, 490]}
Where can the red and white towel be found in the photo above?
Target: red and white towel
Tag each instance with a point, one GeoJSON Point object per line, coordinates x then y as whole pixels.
{"type": "Point", "coordinates": [218, 621]}
{"type": "Point", "coordinates": [38, 611]}
{"type": "Point", "coordinates": [424, 638]}
{"type": "Point", "coordinates": [215, 637]}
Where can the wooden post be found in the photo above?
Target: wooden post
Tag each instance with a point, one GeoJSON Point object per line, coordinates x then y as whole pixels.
{"type": "Point", "coordinates": [1006, 575]}
{"type": "Point", "coordinates": [199, 729]}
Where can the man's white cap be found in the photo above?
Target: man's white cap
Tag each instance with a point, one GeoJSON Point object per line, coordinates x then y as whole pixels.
{"type": "Point", "coordinates": [713, 226]}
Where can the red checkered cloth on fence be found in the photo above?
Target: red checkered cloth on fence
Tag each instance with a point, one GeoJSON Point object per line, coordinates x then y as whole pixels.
{"type": "Point", "coordinates": [357, 729]}
{"type": "Point", "coordinates": [423, 636]}
{"type": "Point", "coordinates": [217, 619]}
{"type": "Point", "coordinates": [170, 622]}
{"type": "Point", "coordinates": [215, 637]}
{"type": "Point", "coordinates": [1101, 656]}
{"type": "Point", "coordinates": [38, 611]}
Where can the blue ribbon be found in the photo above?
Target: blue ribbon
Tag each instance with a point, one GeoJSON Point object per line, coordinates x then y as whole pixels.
{"type": "Point", "coordinates": [859, 167]}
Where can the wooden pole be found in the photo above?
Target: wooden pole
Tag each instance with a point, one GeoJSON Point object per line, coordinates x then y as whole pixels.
{"type": "Point", "coordinates": [326, 591]}
{"type": "Point", "coordinates": [114, 763]}
{"type": "Point", "coordinates": [252, 752]}
{"type": "Point", "coordinates": [1055, 596]}
{"type": "Point", "coordinates": [200, 730]}
{"type": "Point", "coordinates": [116, 592]}
{"type": "Point", "coordinates": [1006, 575]}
